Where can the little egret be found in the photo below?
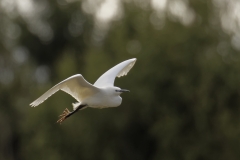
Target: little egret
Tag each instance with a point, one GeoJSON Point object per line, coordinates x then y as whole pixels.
{"type": "Point", "coordinates": [102, 94]}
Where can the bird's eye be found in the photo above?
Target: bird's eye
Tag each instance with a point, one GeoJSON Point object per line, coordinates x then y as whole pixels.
{"type": "Point", "coordinates": [117, 90]}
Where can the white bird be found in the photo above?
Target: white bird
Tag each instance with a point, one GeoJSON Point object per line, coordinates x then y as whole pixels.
{"type": "Point", "coordinates": [102, 94]}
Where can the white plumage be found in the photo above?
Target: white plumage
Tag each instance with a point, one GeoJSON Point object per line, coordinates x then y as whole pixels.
{"type": "Point", "coordinates": [100, 95]}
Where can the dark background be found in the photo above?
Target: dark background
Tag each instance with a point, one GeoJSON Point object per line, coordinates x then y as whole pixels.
{"type": "Point", "coordinates": [184, 100]}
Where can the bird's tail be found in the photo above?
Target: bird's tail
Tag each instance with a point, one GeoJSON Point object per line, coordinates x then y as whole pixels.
{"type": "Point", "coordinates": [75, 105]}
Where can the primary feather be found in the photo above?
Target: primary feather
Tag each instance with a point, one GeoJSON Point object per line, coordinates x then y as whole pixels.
{"type": "Point", "coordinates": [107, 79]}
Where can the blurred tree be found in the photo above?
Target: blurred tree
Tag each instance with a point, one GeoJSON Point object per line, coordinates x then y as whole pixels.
{"type": "Point", "coordinates": [184, 100]}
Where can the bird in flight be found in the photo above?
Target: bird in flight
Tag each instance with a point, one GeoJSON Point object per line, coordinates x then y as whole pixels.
{"type": "Point", "coordinates": [102, 94]}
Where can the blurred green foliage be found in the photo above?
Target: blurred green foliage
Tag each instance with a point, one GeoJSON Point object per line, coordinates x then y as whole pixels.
{"type": "Point", "coordinates": [184, 99]}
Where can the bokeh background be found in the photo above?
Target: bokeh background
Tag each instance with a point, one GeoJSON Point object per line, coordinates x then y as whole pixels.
{"type": "Point", "coordinates": [184, 102]}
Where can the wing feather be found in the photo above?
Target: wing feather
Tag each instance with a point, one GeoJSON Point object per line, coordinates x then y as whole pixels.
{"type": "Point", "coordinates": [75, 85]}
{"type": "Point", "coordinates": [121, 69]}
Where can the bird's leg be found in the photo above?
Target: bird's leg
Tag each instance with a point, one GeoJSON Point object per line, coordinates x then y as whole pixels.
{"type": "Point", "coordinates": [66, 113]}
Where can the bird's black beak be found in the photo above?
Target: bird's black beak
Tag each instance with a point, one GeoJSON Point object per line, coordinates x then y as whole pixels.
{"type": "Point", "coordinates": [123, 90]}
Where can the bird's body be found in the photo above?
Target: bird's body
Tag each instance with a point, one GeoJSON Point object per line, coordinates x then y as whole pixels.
{"type": "Point", "coordinates": [102, 94]}
{"type": "Point", "coordinates": [104, 98]}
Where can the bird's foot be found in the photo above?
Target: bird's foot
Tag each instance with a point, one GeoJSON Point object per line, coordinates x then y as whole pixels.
{"type": "Point", "coordinates": [63, 116]}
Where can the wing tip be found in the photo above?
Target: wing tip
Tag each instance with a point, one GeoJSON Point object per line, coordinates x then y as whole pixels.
{"type": "Point", "coordinates": [33, 104]}
{"type": "Point", "coordinates": [133, 59]}
{"type": "Point", "coordinates": [131, 63]}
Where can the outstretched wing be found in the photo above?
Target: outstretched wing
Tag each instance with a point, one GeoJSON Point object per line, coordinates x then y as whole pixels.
{"type": "Point", "coordinates": [107, 79]}
{"type": "Point", "coordinates": [75, 85]}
